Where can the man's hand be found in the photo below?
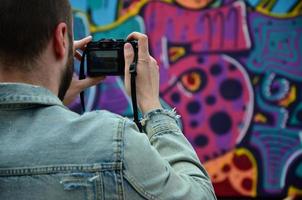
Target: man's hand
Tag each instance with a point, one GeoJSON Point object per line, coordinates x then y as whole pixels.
{"type": "Point", "coordinates": [77, 85]}
{"type": "Point", "coordinates": [147, 79]}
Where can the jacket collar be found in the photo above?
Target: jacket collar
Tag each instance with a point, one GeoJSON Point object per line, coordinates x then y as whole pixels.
{"type": "Point", "coordinates": [24, 94]}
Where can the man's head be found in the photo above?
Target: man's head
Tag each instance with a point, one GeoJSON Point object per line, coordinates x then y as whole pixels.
{"type": "Point", "coordinates": [28, 27]}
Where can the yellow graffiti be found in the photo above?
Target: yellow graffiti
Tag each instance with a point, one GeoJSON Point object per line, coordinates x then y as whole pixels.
{"type": "Point", "coordinates": [168, 1]}
{"type": "Point", "coordinates": [260, 118]}
{"type": "Point", "coordinates": [129, 14]}
{"type": "Point", "coordinates": [290, 98]}
{"type": "Point", "coordinates": [265, 7]}
{"type": "Point", "coordinates": [255, 80]}
{"type": "Point", "coordinates": [267, 4]}
{"type": "Point", "coordinates": [294, 192]}
{"type": "Point", "coordinates": [132, 12]}
{"type": "Point", "coordinates": [243, 151]}
{"type": "Point", "coordinates": [176, 53]}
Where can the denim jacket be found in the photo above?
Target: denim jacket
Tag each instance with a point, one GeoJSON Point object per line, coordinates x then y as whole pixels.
{"type": "Point", "coordinates": [50, 152]}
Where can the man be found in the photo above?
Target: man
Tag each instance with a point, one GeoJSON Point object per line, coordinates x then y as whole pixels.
{"type": "Point", "coordinates": [50, 152]}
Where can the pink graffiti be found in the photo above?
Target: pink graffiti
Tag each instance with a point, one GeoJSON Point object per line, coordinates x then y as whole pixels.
{"type": "Point", "coordinates": [212, 92]}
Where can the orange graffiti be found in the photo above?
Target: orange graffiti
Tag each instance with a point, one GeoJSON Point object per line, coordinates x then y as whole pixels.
{"type": "Point", "coordinates": [194, 4]}
{"type": "Point", "coordinates": [260, 118]}
{"type": "Point", "coordinates": [176, 52]}
{"type": "Point", "coordinates": [192, 81]}
{"type": "Point", "coordinates": [234, 174]}
{"type": "Point", "coordinates": [292, 96]}
{"type": "Point", "coordinates": [294, 192]}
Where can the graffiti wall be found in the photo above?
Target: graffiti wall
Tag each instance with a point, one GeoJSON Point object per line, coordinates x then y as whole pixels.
{"type": "Point", "coordinates": [233, 71]}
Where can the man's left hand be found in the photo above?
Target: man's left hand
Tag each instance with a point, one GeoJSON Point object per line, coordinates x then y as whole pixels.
{"type": "Point", "coordinates": [77, 85]}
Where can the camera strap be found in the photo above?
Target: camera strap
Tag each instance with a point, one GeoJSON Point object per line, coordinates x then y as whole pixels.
{"type": "Point", "coordinates": [81, 77]}
{"type": "Point", "coordinates": [133, 74]}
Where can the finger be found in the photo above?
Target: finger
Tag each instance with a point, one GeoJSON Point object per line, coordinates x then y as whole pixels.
{"type": "Point", "coordinates": [78, 55]}
{"type": "Point", "coordinates": [143, 47]}
{"type": "Point", "coordinates": [153, 61]}
{"type": "Point", "coordinates": [90, 81]}
{"type": "Point", "coordinates": [80, 44]}
{"type": "Point", "coordinates": [129, 56]}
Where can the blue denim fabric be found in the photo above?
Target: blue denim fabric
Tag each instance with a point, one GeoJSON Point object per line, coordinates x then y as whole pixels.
{"type": "Point", "coordinates": [50, 152]}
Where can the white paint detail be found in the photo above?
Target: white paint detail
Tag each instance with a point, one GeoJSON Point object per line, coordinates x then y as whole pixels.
{"type": "Point", "coordinates": [245, 29]}
{"type": "Point", "coordinates": [287, 165]}
{"type": "Point", "coordinates": [250, 108]}
{"type": "Point", "coordinates": [184, 91]}
{"type": "Point", "coordinates": [164, 57]}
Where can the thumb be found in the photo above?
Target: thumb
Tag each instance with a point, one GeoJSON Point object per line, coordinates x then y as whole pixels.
{"type": "Point", "coordinates": [129, 56]}
{"type": "Point", "coordinates": [80, 44]}
{"type": "Point", "coordinates": [90, 81]}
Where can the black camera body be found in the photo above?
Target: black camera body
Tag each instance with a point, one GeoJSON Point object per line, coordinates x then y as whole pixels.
{"type": "Point", "coordinates": [106, 57]}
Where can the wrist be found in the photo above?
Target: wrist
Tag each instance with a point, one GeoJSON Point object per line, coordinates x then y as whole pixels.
{"type": "Point", "coordinates": [148, 106]}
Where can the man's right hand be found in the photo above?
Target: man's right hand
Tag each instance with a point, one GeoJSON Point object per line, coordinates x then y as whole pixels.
{"type": "Point", "coordinates": [147, 79]}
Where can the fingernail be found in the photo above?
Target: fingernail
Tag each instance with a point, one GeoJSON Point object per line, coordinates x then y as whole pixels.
{"type": "Point", "coordinates": [127, 46]}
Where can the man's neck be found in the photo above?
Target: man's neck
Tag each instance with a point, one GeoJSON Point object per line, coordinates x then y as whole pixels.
{"type": "Point", "coordinates": [33, 78]}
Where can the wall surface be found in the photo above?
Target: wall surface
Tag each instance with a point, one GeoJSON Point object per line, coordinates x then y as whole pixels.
{"type": "Point", "coordinates": [232, 69]}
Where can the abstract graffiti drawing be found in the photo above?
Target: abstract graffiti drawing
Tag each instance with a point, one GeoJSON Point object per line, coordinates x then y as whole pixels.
{"type": "Point", "coordinates": [278, 8]}
{"type": "Point", "coordinates": [278, 148]}
{"type": "Point", "coordinates": [191, 4]}
{"type": "Point", "coordinates": [110, 95]}
{"type": "Point", "coordinates": [277, 47]}
{"type": "Point", "coordinates": [233, 71]}
{"type": "Point", "coordinates": [277, 57]}
{"type": "Point", "coordinates": [208, 88]}
{"type": "Point", "coordinates": [237, 169]}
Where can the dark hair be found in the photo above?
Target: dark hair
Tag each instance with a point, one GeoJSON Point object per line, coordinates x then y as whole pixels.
{"type": "Point", "coordinates": [26, 27]}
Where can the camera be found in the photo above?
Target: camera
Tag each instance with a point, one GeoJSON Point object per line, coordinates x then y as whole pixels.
{"type": "Point", "coordinates": [106, 57]}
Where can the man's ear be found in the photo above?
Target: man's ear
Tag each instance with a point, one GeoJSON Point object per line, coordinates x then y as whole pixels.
{"type": "Point", "coordinates": [61, 40]}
